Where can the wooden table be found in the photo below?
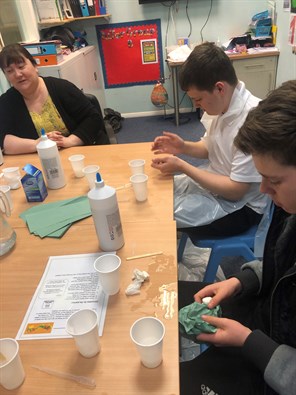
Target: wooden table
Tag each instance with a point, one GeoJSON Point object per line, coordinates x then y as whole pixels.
{"type": "Point", "coordinates": [113, 161]}
{"type": "Point", "coordinates": [117, 369]}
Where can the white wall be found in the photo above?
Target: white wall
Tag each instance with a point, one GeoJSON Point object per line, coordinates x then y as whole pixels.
{"type": "Point", "coordinates": [26, 15]}
{"type": "Point", "coordinates": [27, 28]}
{"type": "Point", "coordinates": [228, 18]}
{"type": "Point", "coordinates": [287, 61]}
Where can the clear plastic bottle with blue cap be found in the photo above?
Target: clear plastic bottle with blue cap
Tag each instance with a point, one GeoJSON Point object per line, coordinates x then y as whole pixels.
{"type": "Point", "coordinates": [51, 162]}
{"type": "Point", "coordinates": [106, 216]}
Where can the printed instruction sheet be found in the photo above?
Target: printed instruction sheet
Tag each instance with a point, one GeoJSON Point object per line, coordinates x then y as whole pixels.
{"type": "Point", "coordinates": [69, 283]}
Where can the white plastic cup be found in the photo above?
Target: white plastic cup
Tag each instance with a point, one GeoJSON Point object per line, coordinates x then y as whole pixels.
{"type": "Point", "coordinates": [83, 326]}
{"type": "Point", "coordinates": [12, 373]}
{"type": "Point", "coordinates": [137, 166]}
{"type": "Point", "coordinates": [108, 267]}
{"type": "Point", "coordinates": [6, 190]}
{"type": "Point", "coordinates": [147, 334]}
{"type": "Point", "coordinates": [12, 177]}
{"type": "Point", "coordinates": [77, 163]}
{"type": "Point", "coordinates": [90, 174]}
{"type": "Point", "coordinates": [139, 183]}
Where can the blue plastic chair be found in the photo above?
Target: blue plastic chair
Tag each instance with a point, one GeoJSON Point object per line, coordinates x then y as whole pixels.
{"type": "Point", "coordinates": [243, 245]}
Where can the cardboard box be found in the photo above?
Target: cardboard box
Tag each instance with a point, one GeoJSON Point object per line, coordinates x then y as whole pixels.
{"type": "Point", "coordinates": [183, 41]}
{"type": "Point", "coordinates": [33, 184]}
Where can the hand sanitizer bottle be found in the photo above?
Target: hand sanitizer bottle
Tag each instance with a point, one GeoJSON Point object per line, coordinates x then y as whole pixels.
{"type": "Point", "coordinates": [51, 162]}
{"type": "Point", "coordinates": [106, 217]}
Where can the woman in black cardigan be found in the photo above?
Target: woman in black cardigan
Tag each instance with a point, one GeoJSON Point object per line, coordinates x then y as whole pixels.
{"type": "Point", "coordinates": [33, 103]}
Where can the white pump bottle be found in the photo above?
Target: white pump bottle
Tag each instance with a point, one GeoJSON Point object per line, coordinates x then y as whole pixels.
{"type": "Point", "coordinates": [106, 216]}
{"type": "Point", "coordinates": [51, 162]}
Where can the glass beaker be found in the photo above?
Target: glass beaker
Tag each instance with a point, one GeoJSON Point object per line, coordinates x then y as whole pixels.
{"type": "Point", "coordinates": [7, 234]}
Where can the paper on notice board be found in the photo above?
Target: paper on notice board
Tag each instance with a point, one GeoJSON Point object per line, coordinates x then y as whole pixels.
{"type": "Point", "coordinates": [69, 283]}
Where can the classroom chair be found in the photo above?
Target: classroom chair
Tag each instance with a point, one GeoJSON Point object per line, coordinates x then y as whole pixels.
{"type": "Point", "coordinates": [248, 244]}
{"type": "Point", "coordinates": [108, 128]}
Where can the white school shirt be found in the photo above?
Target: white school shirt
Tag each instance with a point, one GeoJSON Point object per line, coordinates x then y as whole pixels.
{"type": "Point", "coordinates": [224, 157]}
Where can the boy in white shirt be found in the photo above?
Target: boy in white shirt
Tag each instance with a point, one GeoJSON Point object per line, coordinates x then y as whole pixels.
{"type": "Point", "coordinates": [222, 198]}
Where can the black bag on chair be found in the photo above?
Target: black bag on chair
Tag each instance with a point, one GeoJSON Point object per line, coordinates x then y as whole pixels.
{"type": "Point", "coordinates": [114, 118]}
{"type": "Point", "coordinates": [108, 128]}
{"type": "Point", "coordinates": [62, 33]}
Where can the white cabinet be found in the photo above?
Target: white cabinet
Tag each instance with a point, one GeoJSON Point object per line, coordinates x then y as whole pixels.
{"type": "Point", "coordinates": [82, 69]}
{"type": "Point", "coordinates": [258, 73]}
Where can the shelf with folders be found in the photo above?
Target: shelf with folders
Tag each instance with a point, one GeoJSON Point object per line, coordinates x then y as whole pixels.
{"type": "Point", "coordinates": [55, 22]}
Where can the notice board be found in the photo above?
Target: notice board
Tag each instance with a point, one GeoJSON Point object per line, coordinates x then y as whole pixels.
{"type": "Point", "coordinates": [131, 53]}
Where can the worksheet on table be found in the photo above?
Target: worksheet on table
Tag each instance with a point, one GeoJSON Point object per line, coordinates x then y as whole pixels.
{"type": "Point", "coordinates": [69, 283]}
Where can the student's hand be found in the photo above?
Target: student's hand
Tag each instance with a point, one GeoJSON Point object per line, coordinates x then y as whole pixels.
{"type": "Point", "coordinates": [168, 143]}
{"type": "Point", "coordinates": [168, 164]}
{"type": "Point", "coordinates": [229, 332]}
{"type": "Point", "coordinates": [219, 291]}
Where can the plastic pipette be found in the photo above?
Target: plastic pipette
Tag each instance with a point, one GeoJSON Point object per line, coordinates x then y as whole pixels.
{"type": "Point", "coordinates": [79, 379]}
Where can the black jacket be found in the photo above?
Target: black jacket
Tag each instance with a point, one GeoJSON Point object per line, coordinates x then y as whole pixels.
{"type": "Point", "coordinates": [272, 347]}
{"type": "Point", "coordinates": [79, 115]}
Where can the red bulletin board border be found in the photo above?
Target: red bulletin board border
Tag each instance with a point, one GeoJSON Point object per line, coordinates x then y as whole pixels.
{"type": "Point", "coordinates": [131, 53]}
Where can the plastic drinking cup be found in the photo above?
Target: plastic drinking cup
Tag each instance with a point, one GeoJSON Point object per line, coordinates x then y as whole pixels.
{"type": "Point", "coordinates": [108, 267]}
{"type": "Point", "coordinates": [147, 334]}
{"type": "Point", "coordinates": [137, 166]}
{"type": "Point", "coordinates": [139, 183]}
{"type": "Point", "coordinates": [12, 373]}
{"type": "Point", "coordinates": [83, 326]}
{"type": "Point", "coordinates": [12, 177]}
{"type": "Point", "coordinates": [90, 173]}
{"type": "Point", "coordinates": [77, 163]}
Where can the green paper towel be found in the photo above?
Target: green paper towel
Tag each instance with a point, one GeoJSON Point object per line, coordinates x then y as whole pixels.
{"type": "Point", "coordinates": [190, 320]}
{"type": "Point", "coordinates": [54, 219]}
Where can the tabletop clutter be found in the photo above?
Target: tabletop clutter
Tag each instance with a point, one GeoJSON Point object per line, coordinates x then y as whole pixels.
{"type": "Point", "coordinates": [53, 220]}
{"type": "Point", "coordinates": [260, 33]}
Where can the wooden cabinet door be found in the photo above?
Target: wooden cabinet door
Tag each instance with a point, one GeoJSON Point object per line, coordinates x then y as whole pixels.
{"type": "Point", "coordinates": [258, 74]}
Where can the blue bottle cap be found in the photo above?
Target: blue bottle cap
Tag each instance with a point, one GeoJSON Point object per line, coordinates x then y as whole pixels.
{"type": "Point", "coordinates": [98, 177]}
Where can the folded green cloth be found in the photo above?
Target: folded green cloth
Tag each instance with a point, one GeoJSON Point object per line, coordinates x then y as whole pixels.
{"type": "Point", "coordinates": [190, 320]}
